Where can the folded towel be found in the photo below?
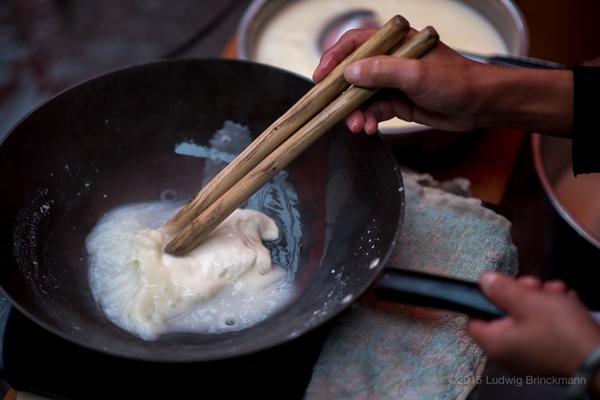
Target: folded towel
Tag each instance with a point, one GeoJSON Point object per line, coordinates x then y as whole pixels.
{"type": "Point", "coordinates": [379, 350]}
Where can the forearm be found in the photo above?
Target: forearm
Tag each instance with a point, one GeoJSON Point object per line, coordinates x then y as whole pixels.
{"type": "Point", "coordinates": [528, 99]}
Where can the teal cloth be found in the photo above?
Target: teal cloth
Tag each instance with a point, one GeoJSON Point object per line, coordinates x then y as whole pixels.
{"type": "Point", "coordinates": [379, 350]}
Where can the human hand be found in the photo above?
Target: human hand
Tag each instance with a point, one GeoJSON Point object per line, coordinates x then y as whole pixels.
{"type": "Point", "coordinates": [547, 331]}
{"type": "Point", "coordinates": [447, 91]}
{"type": "Point", "coordinates": [436, 90]}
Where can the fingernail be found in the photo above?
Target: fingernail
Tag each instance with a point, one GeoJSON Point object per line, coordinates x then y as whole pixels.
{"type": "Point", "coordinates": [353, 72]}
{"type": "Point", "coordinates": [316, 73]}
{"type": "Point", "coordinates": [488, 278]}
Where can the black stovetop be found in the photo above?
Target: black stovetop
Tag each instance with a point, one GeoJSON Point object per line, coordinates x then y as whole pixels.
{"type": "Point", "coordinates": [37, 361]}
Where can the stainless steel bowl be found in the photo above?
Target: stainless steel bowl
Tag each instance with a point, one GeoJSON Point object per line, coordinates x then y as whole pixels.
{"type": "Point", "coordinates": [503, 14]}
{"type": "Point", "coordinates": [577, 200]}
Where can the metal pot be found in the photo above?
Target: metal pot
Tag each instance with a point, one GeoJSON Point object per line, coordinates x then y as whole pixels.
{"type": "Point", "coordinates": [575, 199]}
{"type": "Point", "coordinates": [504, 15]}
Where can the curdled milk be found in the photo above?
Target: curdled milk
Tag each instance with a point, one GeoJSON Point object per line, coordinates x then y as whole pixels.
{"type": "Point", "coordinates": [227, 283]}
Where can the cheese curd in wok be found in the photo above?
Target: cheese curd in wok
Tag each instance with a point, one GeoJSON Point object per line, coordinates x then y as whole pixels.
{"type": "Point", "coordinates": [226, 283]}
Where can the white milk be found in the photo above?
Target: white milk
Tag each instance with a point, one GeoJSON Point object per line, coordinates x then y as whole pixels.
{"type": "Point", "coordinates": [227, 283]}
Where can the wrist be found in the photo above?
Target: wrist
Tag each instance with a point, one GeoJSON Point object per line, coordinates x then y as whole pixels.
{"type": "Point", "coordinates": [595, 384]}
{"type": "Point", "coordinates": [587, 377]}
{"type": "Point", "coordinates": [588, 341]}
{"type": "Point", "coordinates": [528, 99]}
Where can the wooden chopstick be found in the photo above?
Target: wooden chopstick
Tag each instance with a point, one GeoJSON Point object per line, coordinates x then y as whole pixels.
{"type": "Point", "coordinates": [310, 104]}
{"type": "Point", "coordinates": [196, 231]}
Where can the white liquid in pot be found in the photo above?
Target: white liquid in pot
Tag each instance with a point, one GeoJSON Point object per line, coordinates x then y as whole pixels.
{"type": "Point", "coordinates": [290, 38]}
{"type": "Point", "coordinates": [227, 283]}
{"type": "Point", "coordinates": [581, 197]}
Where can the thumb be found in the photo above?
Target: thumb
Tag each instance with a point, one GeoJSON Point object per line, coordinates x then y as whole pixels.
{"type": "Point", "coordinates": [386, 71]}
{"type": "Point", "coordinates": [503, 290]}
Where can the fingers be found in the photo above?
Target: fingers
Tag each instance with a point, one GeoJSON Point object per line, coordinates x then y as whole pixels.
{"type": "Point", "coordinates": [370, 123]}
{"type": "Point", "coordinates": [503, 290]}
{"type": "Point", "coordinates": [376, 112]}
{"type": "Point", "coordinates": [387, 71]}
{"type": "Point", "coordinates": [530, 282]}
{"type": "Point", "coordinates": [356, 121]}
{"type": "Point", "coordinates": [349, 42]}
{"type": "Point", "coordinates": [573, 295]}
{"type": "Point", "coordinates": [381, 110]}
{"type": "Point", "coordinates": [558, 287]}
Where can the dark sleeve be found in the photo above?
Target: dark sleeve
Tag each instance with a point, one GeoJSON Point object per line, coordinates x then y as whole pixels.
{"type": "Point", "coordinates": [586, 120]}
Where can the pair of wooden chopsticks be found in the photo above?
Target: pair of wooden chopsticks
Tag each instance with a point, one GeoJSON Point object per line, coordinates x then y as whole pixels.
{"type": "Point", "coordinates": [313, 115]}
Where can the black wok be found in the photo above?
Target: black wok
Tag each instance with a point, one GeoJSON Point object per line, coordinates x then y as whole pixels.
{"type": "Point", "coordinates": [110, 141]}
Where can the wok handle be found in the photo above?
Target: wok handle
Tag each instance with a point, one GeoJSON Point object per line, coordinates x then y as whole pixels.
{"type": "Point", "coordinates": [525, 62]}
{"type": "Point", "coordinates": [427, 290]}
